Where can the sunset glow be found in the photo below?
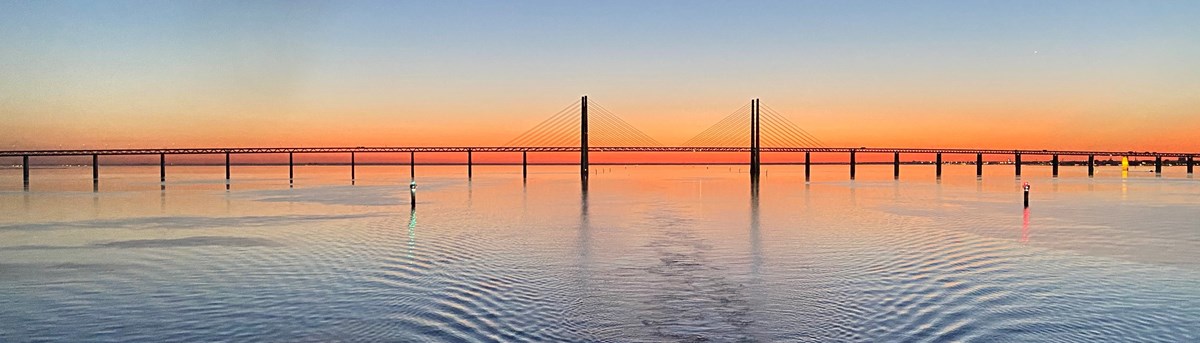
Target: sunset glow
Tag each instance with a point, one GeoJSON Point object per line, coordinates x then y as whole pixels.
{"type": "Point", "coordinates": [1066, 75]}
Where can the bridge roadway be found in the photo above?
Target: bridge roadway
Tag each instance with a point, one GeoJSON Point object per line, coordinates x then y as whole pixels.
{"type": "Point", "coordinates": [412, 151]}
{"type": "Point", "coordinates": [423, 149]}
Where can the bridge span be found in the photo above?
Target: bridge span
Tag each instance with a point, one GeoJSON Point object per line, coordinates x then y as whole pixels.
{"type": "Point", "coordinates": [743, 131]}
{"type": "Point", "coordinates": [464, 149]}
{"type": "Point", "coordinates": [1188, 157]}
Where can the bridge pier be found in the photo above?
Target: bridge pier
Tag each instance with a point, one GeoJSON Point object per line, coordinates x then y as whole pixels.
{"type": "Point", "coordinates": [412, 165]}
{"type": "Point", "coordinates": [25, 170]}
{"type": "Point", "coordinates": [896, 167]}
{"type": "Point", "coordinates": [1017, 159]}
{"type": "Point", "coordinates": [852, 171]}
{"type": "Point", "coordinates": [162, 168]}
{"type": "Point", "coordinates": [226, 171]}
{"type": "Point", "coordinates": [469, 163]}
{"type": "Point", "coordinates": [1190, 163]}
{"type": "Point", "coordinates": [939, 165]}
{"type": "Point", "coordinates": [978, 166]}
{"type": "Point", "coordinates": [291, 170]}
{"type": "Point", "coordinates": [1158, 166]}
{"type": "Point", "coordinates": [1091, 165]}
{"type": "Point", "coordinates": [95, 172]}
{"type": "Point", "coordinates": [807, 165]}
{"type": "Point", "coordinates": [524, 164]}
{"type": "Point", "coordinates": [1054, 165]}
{"type": "Point", "coordinates": [352, 168]}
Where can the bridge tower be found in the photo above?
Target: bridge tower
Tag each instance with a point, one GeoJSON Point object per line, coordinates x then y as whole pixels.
{"type": "Point", "coordinates": [583, 141]}
{"type": "Point", "coordinates": [755, 148]}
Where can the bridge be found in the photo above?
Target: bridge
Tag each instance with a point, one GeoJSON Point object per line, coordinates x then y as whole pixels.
{"type": "Point", "coordinates": [744, 131]}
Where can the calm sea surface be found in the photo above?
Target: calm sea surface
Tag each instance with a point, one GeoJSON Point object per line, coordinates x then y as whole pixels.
{"type": "Point", "coordinates": [648, 254]}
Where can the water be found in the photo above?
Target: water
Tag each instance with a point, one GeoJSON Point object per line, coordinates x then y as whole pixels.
{"type": "Point", "coordinates": [680, 253]}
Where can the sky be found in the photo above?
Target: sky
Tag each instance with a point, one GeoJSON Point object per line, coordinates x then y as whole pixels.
{"type": "Point", "coordinates": [1113, 75]}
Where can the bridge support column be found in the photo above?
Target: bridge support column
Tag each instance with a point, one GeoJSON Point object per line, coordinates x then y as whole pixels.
{"type": "Point", "coordinates": [978, 165]}
{"type": "Point", "coordinates": [524, 165]}
{"type": "Point", "coordinates": [896, 166]}
{"type": "Point", "coordinates": [852, 171]}
{"type": "Point", "coordinates": [807, 165]}
{"type": "Point", "coordinates": [291, 169]}
{"type": "Point", "coordinates": [1190, 163]}
{"type": "Point", "coordinates": [583, 141]}
{"type": "Point", "coordinates": [1017, 164]}
{"type": "Point", "coordinates": [1054, 165]}
{"type": "Point", "coordinates": [162, 168]}
{"type": "Point", "coordinates": [469, 163]}
{"type": "Point", "coordinates": [755, 152]}
{"type": "Point", "coordinates": [939, 165]}
{"type": "Point", "coordinates": [25, 170]}
{"type": "Point", "coordinates": [1091, 165]}
{"type": "Point", "coordinates": [352, 165]}
{"type": "Point", "coordinates": [95, 172]}
{"type": "Point", "coordinates": [1158, 166]}
{"type": "Point", "coordinates": [412, 165]}
{"type": "Point", "coordinates": [226, 171]}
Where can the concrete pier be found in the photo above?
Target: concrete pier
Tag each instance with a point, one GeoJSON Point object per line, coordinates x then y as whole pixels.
{"type": "Point", "coordinates": [896, 166]}
{"type": "Point", "coordinates": [95, 173]}
{"type": "Point", "coordinates": [226, 170]}
{"type": "Point", "coordinates": [524, 164]}
{"type": "Point", "coordinates": [412, 165]}
{"type": "Point", "coordinates": [162, 168]}
{"type": "Point", "coordinates": [807, 166]}
{"type": "Point", "coordinates": [291, 168]}
{"type": "Point", "coordinates": [1158, 166]}
{"type": "Point", "coordinates": [852, 166]}
{"type": "Point", "coordinates": [352, 167]}
{"type": "Point", "coordinates": [978, 165]}
{"type": "Point", "coordinates": [25, 170]}
{"type": "Point", "coordinates": [1017, 163]}
{"type": "Point", "coordinates": [1054, 165]}
{"type": "Point", "coordinates": [469, 163]}
{"type": "Point", "coordinates": [1091, 165]}
{"type": "Point", "coordinates": [1190, 162]}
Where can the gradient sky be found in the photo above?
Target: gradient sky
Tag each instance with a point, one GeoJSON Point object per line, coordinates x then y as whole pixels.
{"type": "Point", "coordinates": [1121, 75]}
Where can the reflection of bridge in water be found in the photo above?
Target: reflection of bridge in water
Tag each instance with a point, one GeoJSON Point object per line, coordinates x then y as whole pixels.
{"type": "Point", "coordinates": [752, 129]}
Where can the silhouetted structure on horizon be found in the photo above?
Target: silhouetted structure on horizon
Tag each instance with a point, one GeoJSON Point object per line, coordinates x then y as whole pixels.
{"type": "Point", "coordinates": [560, 133]}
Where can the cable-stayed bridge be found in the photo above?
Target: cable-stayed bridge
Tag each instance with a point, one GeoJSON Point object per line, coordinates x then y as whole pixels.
{"type": "Point", "coordinates": [585, 126]}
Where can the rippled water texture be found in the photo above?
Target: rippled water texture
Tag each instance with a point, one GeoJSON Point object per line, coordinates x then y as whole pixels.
{"type": "Point", "coordinates": [681, 253]}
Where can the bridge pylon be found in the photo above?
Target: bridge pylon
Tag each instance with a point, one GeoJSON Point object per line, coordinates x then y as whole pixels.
{"type": "Point", "coordinates": [583, 141]}
{"type": "Point", "coordinates": [755, 151]}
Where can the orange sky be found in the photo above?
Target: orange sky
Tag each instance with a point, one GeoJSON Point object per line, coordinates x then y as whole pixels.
{"type": "Point", "coordinates": [1106, 76]}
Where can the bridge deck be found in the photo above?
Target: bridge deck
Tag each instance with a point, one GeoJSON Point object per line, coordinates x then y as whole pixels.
{"type": "Point", "coordinates": [197, 151]}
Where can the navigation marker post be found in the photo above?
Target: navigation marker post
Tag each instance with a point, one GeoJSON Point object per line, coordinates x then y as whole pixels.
{"type": "Point", "coordinates": [1026, 187]}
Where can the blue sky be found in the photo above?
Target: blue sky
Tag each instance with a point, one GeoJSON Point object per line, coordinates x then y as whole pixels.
{"type": "Point", "coordinates": [85, 72]}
